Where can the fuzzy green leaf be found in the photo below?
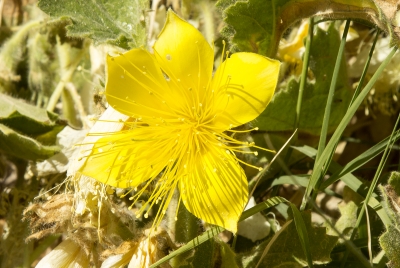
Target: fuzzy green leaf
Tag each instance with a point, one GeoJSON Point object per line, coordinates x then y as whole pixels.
{"type": "Point", "coordinates": [28, 119]}
{"type": "Point", "coordinates": [280, 113]}
{"type": "Point", "coordinates": [390, 240]}
{"type": "Point", "coordinates": [390, 243]}
{"type": "Point", "coordinates": [287, 250]}
{"type": "Point", "coordinates": [116, 22]}
{"type": "Point", "coordinates": [13, 143]}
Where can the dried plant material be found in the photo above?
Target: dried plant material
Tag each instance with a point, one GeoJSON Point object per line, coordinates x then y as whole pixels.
{"type": "Point", "coordinates": [93, 230]}
{"type": "Point", "coordinates": [142, 252]}
{"type": "Point", "coordinates": [51, 217]}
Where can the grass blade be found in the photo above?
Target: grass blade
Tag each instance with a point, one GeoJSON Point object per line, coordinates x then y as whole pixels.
{"type": "Point", "coordinates": [319, 164]}
{"type": "Point", "coordinates": [303, 234]}
{"type": "Point", "coordinates": [319, 172]}
{"type": "Point", "coordinates": [262, 206]}
{"type": "Point", "coordinates": [360, 160]}
{"type": "Point", "coordinates": [352, 182]}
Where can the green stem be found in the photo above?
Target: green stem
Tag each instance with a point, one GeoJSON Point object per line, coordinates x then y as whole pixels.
{"type": "Point", "coordinates": [306, 60]}
{"type": "Point", "coordinates": [65, 78]}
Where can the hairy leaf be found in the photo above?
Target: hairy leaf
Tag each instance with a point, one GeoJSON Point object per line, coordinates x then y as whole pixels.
{"type": "Point", "coordinates": [116, 22]}
{"type": "Point", "coordinates": [390, 243]}
{"type": "Point", "coordinates": [13, 143]}
{"type": "Point", "coordinates": [28, 119]}
{"type": "Point", "coordinates": [390, 240]}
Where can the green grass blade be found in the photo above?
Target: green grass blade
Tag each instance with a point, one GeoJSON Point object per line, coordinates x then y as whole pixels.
{"type": "Point", "coordinates": [352, 182]}
{"type": "Point", "coordinates": [332, 88]}
{"type": "Point", "coordinates": [262, 206]}
{"type": "Point", "coordinates": [319, 172]}
{"type": "Point", "coordinates": [360, 160]}
{"type": "Point", "coordinates": [319, 164]}
{"type": "Point", "coordinates": [302, 232]}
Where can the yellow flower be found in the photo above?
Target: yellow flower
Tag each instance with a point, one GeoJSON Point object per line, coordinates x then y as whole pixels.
{"type": "Point", "coordinates": [179, 131]}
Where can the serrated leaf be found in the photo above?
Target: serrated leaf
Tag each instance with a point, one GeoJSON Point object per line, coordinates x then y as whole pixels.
{"type": "Point", "coordinates": [116, 22]}
{"type": "Point", "coordinates": [258, 25]}
{"type": "Point", "coordinates": [390, 243]}
{"type": "Point", "coordinates": [13, 143]}
{"type": "Point", "coordinates": [347, 220]}
{"type": "Point", "coordinates": [281, 112]}
{"type": "Point", "coordinates": [287, 251]}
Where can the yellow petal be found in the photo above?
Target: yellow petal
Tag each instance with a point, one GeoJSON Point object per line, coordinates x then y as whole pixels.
{"type": "Point", "coordinates": [184, 55]}
{"type": "Point", "coordinates": [106, 161]}
{"type": "Point", "coordinates": [217, 190]}
{"type": "Point", "coordinates": [136, 86]}
{"type": "Point", "coordinates": [128, 158]}
{"type": "Point", "coordinates": [244, 85]}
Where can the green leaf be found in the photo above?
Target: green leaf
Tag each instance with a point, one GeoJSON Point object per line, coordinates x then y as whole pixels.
{"type": "Point", "coordinates": [390, 243]}
{"type": "Point", "coordinates": [205, 255]}
{"type": "Point", "coordinates": [116, 22]}
{"type": "Point", "coordinates": [302, 233]}
{"type": "Point", "coordinates": [390, 240]}
{"type": "Point", "coordinates": [227, 256]}
{"type": "Point", "coordinates": [13, 143]}
{"type": "Point", "coordinates": [281, 112]}
{"type": "Point", "coordinates": [258, 25]}
{"type": "Point", "coordinates": [347, 220]}
{"type": "Point", "coordinates": [25, 118]}
{"type": "Point", "coordinates": [287, 251]}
